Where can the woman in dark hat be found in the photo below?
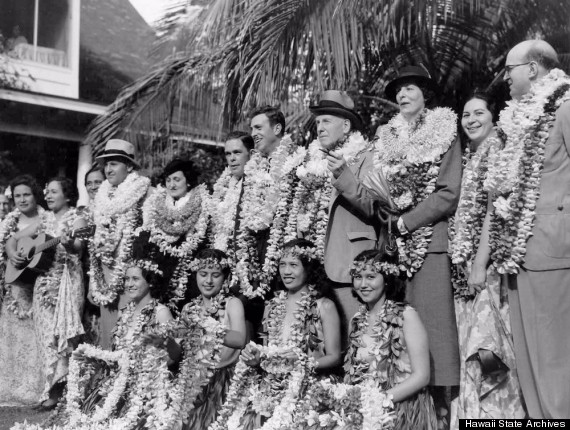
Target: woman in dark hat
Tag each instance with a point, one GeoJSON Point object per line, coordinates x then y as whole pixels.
{"type": "Point", "coordinates": [420, 155]}
{"type": "Point", "coordinates": [176, 220]}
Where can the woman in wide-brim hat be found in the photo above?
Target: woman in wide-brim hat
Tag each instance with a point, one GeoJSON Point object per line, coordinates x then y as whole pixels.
{"type": "Point", "coordinates": [420, 154]}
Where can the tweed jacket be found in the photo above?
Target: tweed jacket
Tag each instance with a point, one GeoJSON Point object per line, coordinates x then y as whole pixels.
{"type": "Point", "coordinates": [549, 246]}
{"type": "Point", "coordinates": [351, 220]}
{"type": "Point", "coordinates": [441, 204]}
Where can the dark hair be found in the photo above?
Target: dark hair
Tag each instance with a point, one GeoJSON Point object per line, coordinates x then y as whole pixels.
{"type": "Point", "coordinates": [315, 270]}
{"type": "Point", "coordinates": [187, 168]}
{"type": "Point", "coordinates": [245, 138]}
{"type": "Point", "coordinates": [490, 103]}
{"type": "Point", "coordinates": [428, 93]}
{"type": "Point", "coordinates": [545, 57]}
{"type": "Point", "coordinates": [119, 159]}
{"type": "Point", "coordinates": [274, 115]}
{"type": "Point", "coordinates": [28, 181]}
{"type": "Point", "coordinates": [94, 168]}
{"type": "Point", "coordinates": [68, 189]}
{"type": "Point", "coordinates": [215, 254]}
{"type": "Point", "coordinates": [392, 284]}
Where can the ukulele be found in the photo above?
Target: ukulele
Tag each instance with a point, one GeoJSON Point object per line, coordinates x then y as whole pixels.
{"type": "Point", "coordinates": [39, 253]}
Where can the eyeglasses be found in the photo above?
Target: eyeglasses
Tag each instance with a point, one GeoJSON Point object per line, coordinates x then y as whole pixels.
{"type": "Point", "coordinates": [510, 67]}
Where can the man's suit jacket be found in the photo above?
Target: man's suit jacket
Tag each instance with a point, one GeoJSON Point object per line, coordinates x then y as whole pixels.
{"type": "Point", "coordinates": [549, 246]}
{"type": "Point", "coordinates": [351, 220]}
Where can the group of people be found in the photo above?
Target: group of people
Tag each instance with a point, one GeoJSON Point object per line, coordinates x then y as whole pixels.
{"type": "Point", "coordinates": [405, 281]}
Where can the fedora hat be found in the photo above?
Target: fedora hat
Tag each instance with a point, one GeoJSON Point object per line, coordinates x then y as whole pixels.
{"type": "Point", "coordinates": [121, 149]}
{"type": "Point", "coordinates": [418, 74]}
{"type": "Point", "coordinates": [337, 103]}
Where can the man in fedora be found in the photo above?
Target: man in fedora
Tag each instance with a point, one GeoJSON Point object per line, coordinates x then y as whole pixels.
{"type": "Point", "coordinates": [341, 157]}
{"type": "Point", "coordinates": [116, 213]}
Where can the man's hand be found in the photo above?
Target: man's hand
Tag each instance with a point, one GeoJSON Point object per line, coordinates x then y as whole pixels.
{"type": "Point", "coordinates": [336, 163]}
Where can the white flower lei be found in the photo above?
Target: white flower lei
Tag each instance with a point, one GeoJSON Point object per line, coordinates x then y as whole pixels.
{"type": "Point", "coordinates": [116, 216]}
{"type": "Point", "coordinates": [410, 155]}
{"type": "Point", "coordinates": [222, 208]}
{"type": "Point", "coordinates": [309, 211]}
{"type": "Point", "coordinates": [515, 172]}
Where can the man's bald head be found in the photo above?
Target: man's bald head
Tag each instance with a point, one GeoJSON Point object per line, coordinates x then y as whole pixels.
{"type": "Point", "coordinates": [526, 63]}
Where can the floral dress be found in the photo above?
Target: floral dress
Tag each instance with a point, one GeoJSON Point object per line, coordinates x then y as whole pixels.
{"type": "Point", "coordinates": [58, 305]}
{"type": "Point", "coordinates": [21, 371]}
{"type": "Point", "coordinates": [381, 354]}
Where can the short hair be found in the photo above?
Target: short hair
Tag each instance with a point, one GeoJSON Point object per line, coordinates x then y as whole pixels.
{"type": "Point", "coordinates": [120, 159]}
{"type": "Point", "coordinates": [485, 97]}
{"type": "Point", "coordinates": [543, 54]}
{"type": "Point", "coordinates": [217, 255]}
{"type": "Point", "coordinates": [392, 284]}
{"type": "Point", "coordinates": [94, 168]}
{"type": "Point", "coordinates": [428, 93]}
{"type": "Point", "coordinates": [29, 181]}
{"type": "Point", "coordinates": [187, 168]}
{"type": "Point", "coordinates": [274, 115]}
{"type": "Point", "coordinates": [68, 188]}
{"type": "Point", "coordinates": [315, 270]}
{"type": "Point", "coordinates": [245, 138]}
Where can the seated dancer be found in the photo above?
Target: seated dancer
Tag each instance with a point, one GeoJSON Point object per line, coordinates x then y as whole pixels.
{"type": "Point", "coordinates": [212, 276]}
{"type": "Point", "coordinates": [301, 335]}
{"type": "Point", "coordinates": [388, 342]}
{"type": "Point", "coordinates": [106, 387]}
{"type": "Point", "coordinates": [176, 220]}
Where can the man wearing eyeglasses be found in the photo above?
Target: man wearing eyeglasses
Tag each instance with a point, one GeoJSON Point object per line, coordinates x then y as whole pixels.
{"type": "Point", "coordinates": [530, 230]}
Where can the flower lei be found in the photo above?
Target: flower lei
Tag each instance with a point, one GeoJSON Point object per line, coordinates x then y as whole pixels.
{"type": "Point", "coordinates": [466, 226]}
{"type": "Point", "coordinates": [268, 187]}
{"type": "Point", "coordinates": [382, 267]}
{"type": "Point", "coordinates": [410, 156]}
{"type": "Point", "coordinates": [8, 227]}
{"type": "Point", "coordinates": [210, 262]}
{"type": "Point", "coordinates": [116, 215]}
{"type": "Point", "coordinates": [328, 405]}
{"type": "Point", "coordinates": [222, 208]}
{"type": "Point", "coordinates": [387, 335]}
{"type": "Point", "coordinates": [47, 286]}
{"type": "Point", "coordinates": [515, 171]}
{"type": "Point", "coordinates": [276, 393]}
{"type": "Point", "coordinates": [309, 213]}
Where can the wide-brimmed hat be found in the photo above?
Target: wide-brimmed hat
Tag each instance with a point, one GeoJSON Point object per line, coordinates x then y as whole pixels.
{"type": "Point", "coordinates": [418, 74]}
{"type": "Point", "coordinates": [337, 103]}
{"type": "Point", "coordinates": [121, 149]}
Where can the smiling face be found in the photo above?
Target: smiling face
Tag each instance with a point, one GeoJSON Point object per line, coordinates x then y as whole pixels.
{"type": "Point", "coordinates": [331, 130]}
{"type": "Point", "coordinates": [176, 185]}
{"type": "Point", "coordinates": [411, 100]}
{"type": "Point", "coordinates": [369, 285]}
{"type": "Point", "coordinates": [116, 171]}
{"type": "Point", "coordinates": [55, 199]}
{"type": "Point", "coordinates": [293, 273]}
{"type": "Point", "coordinates": [265, 136]}
{"type": "Point", "coordinates": [210, 281]}
{"type": "Point", "coordinates": [93, 182]}
{"type": "Point", "coordinates": [24, 200]}
{"type": "Point", "coordinates": [477, 121]}
{"type": "Point", "coordinates": [4, 206]}
{"type": "Point", "coordinates": [136, 286]}
{"type": "Point", "coordinates": [237, 156]}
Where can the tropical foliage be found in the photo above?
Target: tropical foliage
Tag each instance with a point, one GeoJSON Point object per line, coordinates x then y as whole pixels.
{"type": "Point", "coordinates": [231, 55]}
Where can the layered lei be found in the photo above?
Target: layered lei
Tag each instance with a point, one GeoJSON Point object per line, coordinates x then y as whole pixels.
{"type": "Point", "coordinates": [8, 228]}
{"type": "Point", "coordinates": [268, 189]}
{"type": "Point", "coordinates": [274, 392]}
{"type": "Point", "coordinates": [410, 156]}
{"type": "Point", "coordinates": [153, 395]}
{"type": "Point", "coordinates": [177, 228]}
{"type": "Point", "coordinates": [514, 173]}
{"type": "Point", "coordinates": [116, 215]}
{"type": "Point", "coordinates": [222, 208]}
{"type": "Point", "coordinates": [47, 288]}
{"type": "Point", "coordinates": [466, 226]}
{"type": "Point", "coordinates": [309, 211]}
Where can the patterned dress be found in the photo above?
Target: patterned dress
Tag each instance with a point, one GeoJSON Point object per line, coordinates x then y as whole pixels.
{"type": "Point", "coordinates": [58, 305]}
{"type": "Point", "coordinates": [21, 371]}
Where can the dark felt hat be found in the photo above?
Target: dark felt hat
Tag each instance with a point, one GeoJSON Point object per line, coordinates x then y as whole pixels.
{"type": "Point", "coordinates": [417, 74]}
{"type": "Point", "coordinates": [337, 103]}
